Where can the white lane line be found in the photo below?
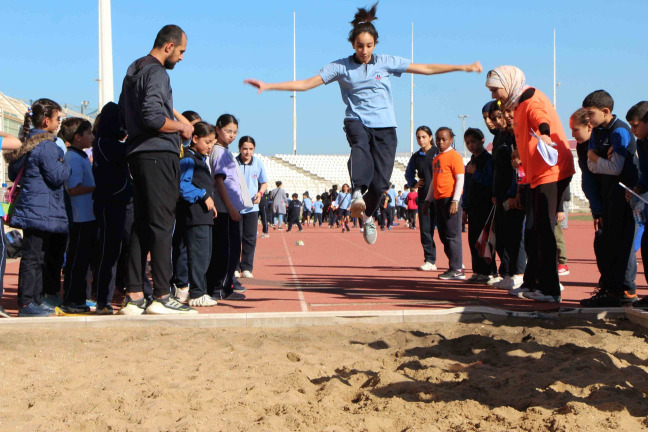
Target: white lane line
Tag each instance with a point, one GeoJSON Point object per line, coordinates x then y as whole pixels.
{"type": "Point", "coordinates": [300, 294]}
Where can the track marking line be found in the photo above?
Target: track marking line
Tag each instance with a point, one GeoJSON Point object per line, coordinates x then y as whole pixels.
{"type": "Point", "coordinates": [368, 249]}
{"type": "Point", "coordinates": [300, 293]}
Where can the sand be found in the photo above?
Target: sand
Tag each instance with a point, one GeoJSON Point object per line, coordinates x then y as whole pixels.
{"type": "Point", "coordinates": [518, 375]}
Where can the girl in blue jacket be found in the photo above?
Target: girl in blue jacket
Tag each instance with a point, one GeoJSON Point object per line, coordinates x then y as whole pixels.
{"type": "Point", "coordinates": [39, 209]}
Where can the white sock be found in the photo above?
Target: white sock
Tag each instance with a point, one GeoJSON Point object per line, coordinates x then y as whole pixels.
{"type": "Point", "coordinates": [366, 218]}
{"type": "Point", "coordinates": [357, 194]}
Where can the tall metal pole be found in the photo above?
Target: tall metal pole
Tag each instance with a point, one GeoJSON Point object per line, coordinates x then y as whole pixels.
{"type": "Point", "coordinates": [555, 85]}
{"type": "Point", "coordinates": [463, 127]}
{"type": "Point", "coordinates": [412, 99]}
{"type": "Point", "coordinates": [294, 95]}
{"type": "Point", "coordinates": [106, 90]}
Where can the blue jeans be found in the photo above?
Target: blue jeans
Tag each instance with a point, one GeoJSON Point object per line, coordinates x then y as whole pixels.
{"type": "Point", "coordinates": [279, 216]}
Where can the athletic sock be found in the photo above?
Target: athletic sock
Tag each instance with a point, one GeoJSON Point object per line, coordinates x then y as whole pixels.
{"type": "Point", "coordinates": [357, 194]}
{"type": "Point", "coordinates": [366, 218]}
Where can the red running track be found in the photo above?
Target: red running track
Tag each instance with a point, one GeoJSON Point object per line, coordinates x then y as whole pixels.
{"type": "Point", "coordinates": [333, 271]}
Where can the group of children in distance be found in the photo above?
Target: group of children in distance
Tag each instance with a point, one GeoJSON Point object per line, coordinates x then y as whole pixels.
{"type": "Point", "coordinates": [75, 210]}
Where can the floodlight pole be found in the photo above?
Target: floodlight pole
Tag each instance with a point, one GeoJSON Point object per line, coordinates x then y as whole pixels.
{"type": "Point", "coordinates": [294, 95]}
{"type": "Point", "coordinates": [463, 127]}
{"type": "Point", "coordinates": [106, 90]}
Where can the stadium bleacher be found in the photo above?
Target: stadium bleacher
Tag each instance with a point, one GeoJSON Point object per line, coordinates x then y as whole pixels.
{"type": "Point", "coordinates": [317, 173]}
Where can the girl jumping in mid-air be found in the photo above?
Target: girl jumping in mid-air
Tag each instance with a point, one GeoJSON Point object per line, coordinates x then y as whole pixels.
{"type": "Point", "coordinates": [370, 123]}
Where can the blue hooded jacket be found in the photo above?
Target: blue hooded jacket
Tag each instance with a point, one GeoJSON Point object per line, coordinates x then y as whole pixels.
{"type": "Point", "coordinates": [40, 203]}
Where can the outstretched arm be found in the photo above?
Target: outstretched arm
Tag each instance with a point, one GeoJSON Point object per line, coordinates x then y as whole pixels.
{"type": "Point", "coordinates": [301, 85]}
{"type": "Point", "coordinates": [434, 69]}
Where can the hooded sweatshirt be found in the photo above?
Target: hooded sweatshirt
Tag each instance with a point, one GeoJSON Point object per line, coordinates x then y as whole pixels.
{"type": "Point", "coordinates": [146, 101]}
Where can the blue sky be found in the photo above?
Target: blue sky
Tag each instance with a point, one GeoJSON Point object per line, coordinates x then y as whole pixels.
{"type": "Point", "coordinates": [50, 50]}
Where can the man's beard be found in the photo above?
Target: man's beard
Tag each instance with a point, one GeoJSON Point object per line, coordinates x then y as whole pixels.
{"type": "Point", "coordinates": [168, 64]}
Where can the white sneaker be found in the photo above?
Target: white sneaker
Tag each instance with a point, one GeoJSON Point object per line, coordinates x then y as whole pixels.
{"type": "Point", "coordinates": [204, 301]}
{"type": "Point", "coordinates": [168, 305]}
{"type": "Point", "coordinates": [505, 284]}
{"type": "Point", "coordinates": [237, 274]}
{"type": "Point", "coordinates": [518, 280]}
{"type": "Point", "coordinates": [358, 206]}
{"type": "Point", "coordinates": [494, 280]}
{"type": "Point", "coordinates": [182, 294]}
{"type": "Point", "coordinates": [247, 274]}
{"type": "Point", "coordinates": [428, 266]}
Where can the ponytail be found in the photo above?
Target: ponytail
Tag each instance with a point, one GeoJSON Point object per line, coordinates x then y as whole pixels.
{"type": "Point", "coordinates": [26, 125]}
{"type": "Point", "coordinates": [362, 23]}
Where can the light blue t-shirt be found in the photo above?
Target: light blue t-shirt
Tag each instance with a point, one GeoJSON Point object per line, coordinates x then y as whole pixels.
{"type": "Point", "coordinates": [392, 194]}
{"type": "Point", "coordinates": [255, 174]}
{"type": "Point", "coordinates": [365, 88]}
{"type": "Point", "coordinates": [343, 200]}
{"type": "Point", "coordinates": [318, 206]}
{"type": "Point", "coordinates": [404, 199]}
{"type": "Point", "coordinates": [308, 204]}
{"type": "Point", "coordinates": [80, 175]}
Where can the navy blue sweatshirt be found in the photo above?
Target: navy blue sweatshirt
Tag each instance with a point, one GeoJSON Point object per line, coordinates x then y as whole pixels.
{"type": "Point", "coordinates": [146, 101]}
{"type": "Point", "coordinates": [109, 168]}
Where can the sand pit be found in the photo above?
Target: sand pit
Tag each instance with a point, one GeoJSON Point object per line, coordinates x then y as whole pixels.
{"type": "Point", "coordinates": [514, 375]}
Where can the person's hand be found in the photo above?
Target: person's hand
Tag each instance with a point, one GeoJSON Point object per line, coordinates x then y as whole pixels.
{"type": "Point", "coordinates": [426, 208]}
{"type": "Point", "coordinates": [209, 203]}
{"type": "Point", "coordinates": [513, 204]}
{"type": "Point", "coordinates": [598, 224]}
{"type": "Point", "coordinates": [474, 67]}
{"type": "Point", "coordinates": [234, 214]}
{"type": "Point", "coordinates": [560, 216]}
{"type": "Point", "coordinates": [257, 198]}
{"type": "Point", "coordinates": [419, 183]}
{"type": "Point", "coordinates": [454, 208]}
{"type": "Point", "coordinates": [464, 218]}
{"type": "Point", "coordinates": [609, 155]}
{"type": "Point", "coordinates": [471, 168]}
{"type": "Point", "coordinates": [628, 195]}
{"type": "Point", "coordinates": [494, 200]}
{"type": "Point", "coordinates": [260, 85]}
{"type": "Point", "coordinates": [186, 132]}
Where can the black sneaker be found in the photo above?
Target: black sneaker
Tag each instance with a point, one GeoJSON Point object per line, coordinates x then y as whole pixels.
{"type": "Point", "coordinates": [643, 303]}
{"type": "Point", "coordinates": [74, 309]}
{"type": "Point", "coordinates": [453, 275]}
{"type": "Point", "coordinates": [222, 295]}
{"type": "Point", "coordinates": [239, 289]}
{"type": "Point", "coordinates": [601, 298]}
{"type": "Point", "coordinates": [628, 298]}
{"type": "Point", "coordinates": [4, 314]}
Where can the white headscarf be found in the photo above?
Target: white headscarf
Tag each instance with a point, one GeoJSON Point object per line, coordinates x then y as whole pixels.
{"type": "Point", "coordinates": [511, 79]}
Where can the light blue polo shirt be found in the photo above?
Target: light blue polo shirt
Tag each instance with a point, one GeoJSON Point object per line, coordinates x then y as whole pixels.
{"type": "Point", "coordinates": [365, 88]}
{"type": "Point", "coordinates": [254, 174]}
{"type": "Point", "coordinates": [392, 194]}
{"type": "Point", "coordinates": [81, 174]}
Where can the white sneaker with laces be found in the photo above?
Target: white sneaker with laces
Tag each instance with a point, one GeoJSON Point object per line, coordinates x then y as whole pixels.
{"type": "Point", "coordinates": [237, 274]}
{"type": "Point", "coordinates": [204, 301]}
{"type": "Point", "coordinates": [247, 274]}
{"type": "Point", "coordinates": [518, 280]}
{"type": "Point", "coordinates": [168, 305]}
{"type": "Point", "coordinates": [428, 266]}
{"type": "Point", "coordinates": [358, 206]}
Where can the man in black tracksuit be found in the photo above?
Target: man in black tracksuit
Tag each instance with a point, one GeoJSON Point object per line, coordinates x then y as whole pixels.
{"type": "Point", "coordinates": [146, 111]}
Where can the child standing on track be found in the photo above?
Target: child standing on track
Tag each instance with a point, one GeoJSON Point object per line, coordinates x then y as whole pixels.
{"type": "Point", "coordinates": [318, 206]}
{"type": "Point", "coordinates": [370, 123]}
{"type": "Point", "coordinates": [294, 212]}
{"type": "Point", "coordinates": [477, 201]}
{"type": "Point", "coordinates": [196, 212]}
{"type": "Point", "coordinates": [445, 191]}
{"type": "Point", "coordinates": [342, 205]}
{"type": "Point", "coordinates": [308, 208]}
{"type": "Point", "coordinates": [230, 197]}
{"type": "Point", "coordinates": [412, 207]}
